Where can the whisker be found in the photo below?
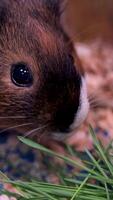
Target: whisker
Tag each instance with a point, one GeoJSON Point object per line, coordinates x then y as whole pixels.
{"type": "Point", "coordinates": [102, 105]}
{"type": "Point", "coordinates": [34, 130]}
{"type": "Point", "coordinates": [94, 96]}
{"type": "Point", "coordinates": [13, 127]}
{"type": "Point", "coordinates": [95, 106]}
{"type": "Point", "coordinates": [13, 117]}
{"type": "Point", "coordinates": [91, 98]}
{"type": "Point", "coordinates": [41, 136]}
{"type": "Point", "coordinates": [96, 102]}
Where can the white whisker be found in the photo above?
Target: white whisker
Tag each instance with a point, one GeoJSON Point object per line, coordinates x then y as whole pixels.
{"type": "Point", "coordinates": [13, 127]}
{"type": "Point", "coordinates": [96, 102]}
{"type": "Point", "coordinates": [34, 130]}
{"type": "Point", "coordinates": [13, 117]}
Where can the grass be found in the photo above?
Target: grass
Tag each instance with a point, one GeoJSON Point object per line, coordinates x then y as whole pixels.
{"type": "Point", "coordinates": [95, 183]}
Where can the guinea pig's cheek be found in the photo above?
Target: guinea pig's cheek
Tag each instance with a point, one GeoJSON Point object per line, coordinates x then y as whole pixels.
{"type": "Point", "coordinates": [83, 108]}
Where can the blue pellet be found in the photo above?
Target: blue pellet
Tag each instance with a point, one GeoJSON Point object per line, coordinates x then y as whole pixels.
{"type": "Point", "coordinates": [29, 156]}
{"type": "Point", "coordinates": [3, 138]}
{"type": "Point", "coordinates": [105, 133]}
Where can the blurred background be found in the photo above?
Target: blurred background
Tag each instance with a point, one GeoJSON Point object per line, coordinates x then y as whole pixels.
{"type": "Point", "coordinates": [90, 25]}
{"type": "Point", "coordinates": [87, 19]}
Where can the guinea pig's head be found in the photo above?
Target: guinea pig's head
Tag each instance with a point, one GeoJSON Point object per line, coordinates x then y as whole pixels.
{"type": "Point", "coordinates": [40, 84]}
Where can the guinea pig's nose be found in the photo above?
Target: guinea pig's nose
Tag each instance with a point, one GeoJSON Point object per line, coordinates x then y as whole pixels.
{"type": "Point", "coordinates": [64, 117]}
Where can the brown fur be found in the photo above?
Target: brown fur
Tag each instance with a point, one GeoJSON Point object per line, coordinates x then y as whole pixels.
{"type": "Point", "coordinates": [30, 32]}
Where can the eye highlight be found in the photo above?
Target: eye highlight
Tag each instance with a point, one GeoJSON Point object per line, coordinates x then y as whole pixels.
{"type": "Point", "coordinates": [21, 75]}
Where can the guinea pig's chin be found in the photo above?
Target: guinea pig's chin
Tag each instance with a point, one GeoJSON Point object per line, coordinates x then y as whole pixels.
{"type": "Point", "coordinates": [83, 108]}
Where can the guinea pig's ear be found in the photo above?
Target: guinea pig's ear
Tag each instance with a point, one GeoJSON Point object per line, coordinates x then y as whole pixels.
{"type": "Point", "coordinates": [56, 6]}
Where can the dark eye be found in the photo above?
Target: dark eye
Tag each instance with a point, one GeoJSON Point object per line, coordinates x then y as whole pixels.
{"type": "Point", "coordinates": [21, 75]}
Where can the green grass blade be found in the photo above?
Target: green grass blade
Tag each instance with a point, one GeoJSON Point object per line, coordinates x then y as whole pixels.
{"type": "Point", "coordinates": [51, 153]}
{"type": "Point", "coordinates": [107, 192]}
{"type": "Point", "coordinates": [102, 154]}
{"type": "Point", "coordinates": [80, 188]}
{"type": "Point", "coordinates": [96, 163]}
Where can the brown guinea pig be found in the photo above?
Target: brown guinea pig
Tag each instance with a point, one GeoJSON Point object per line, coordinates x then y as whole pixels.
{"type": "Point", "coordinates": [41, 89]}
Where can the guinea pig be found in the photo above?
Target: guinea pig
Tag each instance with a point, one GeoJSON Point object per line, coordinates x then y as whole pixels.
{"type": "Point", "coordinates": [41, 88]}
